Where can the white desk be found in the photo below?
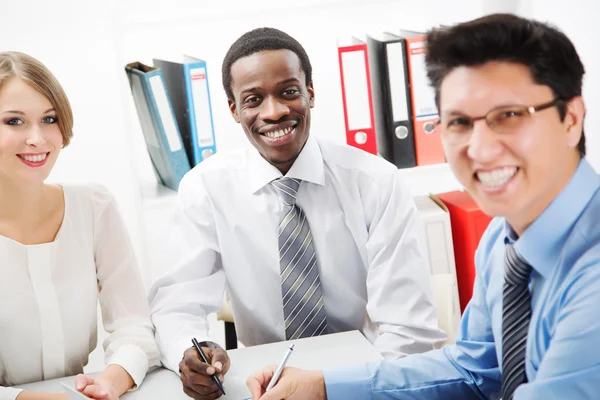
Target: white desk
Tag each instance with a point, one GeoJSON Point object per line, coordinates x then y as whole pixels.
{"type": "Point", "coordinates": [320, 352]}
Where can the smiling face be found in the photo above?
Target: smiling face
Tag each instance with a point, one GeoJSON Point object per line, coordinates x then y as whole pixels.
{"type": "Point", "coordinates": [515, 174]}
{"type": "Point", "coordinates": [30, 139]}
{"type": "Point", "coordinates": [272, 103]}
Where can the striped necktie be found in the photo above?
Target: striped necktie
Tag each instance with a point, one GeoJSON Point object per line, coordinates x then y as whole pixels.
{"type": "Point", "coordinates": [516, 312]}
{"type": "Point", "coordinates": [300, 284]}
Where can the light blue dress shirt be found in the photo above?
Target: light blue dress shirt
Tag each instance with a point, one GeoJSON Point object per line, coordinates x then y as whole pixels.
{"type": "Point", "coordinates": [563, 344]}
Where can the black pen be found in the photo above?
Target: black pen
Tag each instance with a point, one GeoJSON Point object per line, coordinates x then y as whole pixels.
{"type": "Point", "coordinates": [214, 377]}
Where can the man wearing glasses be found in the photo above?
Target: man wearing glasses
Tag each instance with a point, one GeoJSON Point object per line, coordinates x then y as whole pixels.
{"type": "Point", "coordinates": [511, 118]}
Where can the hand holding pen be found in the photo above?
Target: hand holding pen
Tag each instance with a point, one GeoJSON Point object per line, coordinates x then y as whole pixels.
{"type": "Point", "coordinates": [202, 370]}
{"type": "Point", "coordinates": [281, 382]}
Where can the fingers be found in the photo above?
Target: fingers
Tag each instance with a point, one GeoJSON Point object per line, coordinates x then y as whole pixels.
{"type": "Point", "coordinates": [190, 392]}
{"type": "Point", "coordinates": [219, 360]}
{"type": "Point", "coordinates": [199, 386]}
{"type": "Point", "coordinates": [81, 381]}
{"type": "Point", "coordinates": [193, 362]}
{"type": "Point", "coordinates": [95, 392]}
{"type": "Point", "coordinates": [258, 381]}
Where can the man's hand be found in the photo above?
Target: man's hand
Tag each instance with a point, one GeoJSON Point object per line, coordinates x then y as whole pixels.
{"type": "Point", "coordinates": [96, 388]}
{"type": "Point", "coordinates": [293, 384]}
{"type": "Point", "coordinates": [196, 376]}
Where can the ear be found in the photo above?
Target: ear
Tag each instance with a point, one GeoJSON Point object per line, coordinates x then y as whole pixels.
{"type": "Point", "coordinates": [233, 110]}
{"type": "Point", "coordinates": [574, 120]}
{"type": "Point", "coordinates": [311, 94]}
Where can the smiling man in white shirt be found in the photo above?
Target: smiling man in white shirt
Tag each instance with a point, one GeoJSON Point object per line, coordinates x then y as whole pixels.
{"type": "Point", "coordinates": [310, 237]}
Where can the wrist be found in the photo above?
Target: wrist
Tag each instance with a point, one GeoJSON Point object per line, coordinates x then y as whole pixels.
{"type": "Point", "coordinates": [319, 380]}
{"type": "Point", "coordinates": [117, 378]}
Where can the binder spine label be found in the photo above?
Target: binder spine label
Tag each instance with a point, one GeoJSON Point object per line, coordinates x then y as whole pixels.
{"type": "Point", "coordinates": [204, 125]}
{"type": "Point", "coordinates": [164, 111]}
{"type": "Point", "coordinates": [424, 96]}
{"type": "Point", "coordinates": [397, 83]}
{"type": "Point", "coordinates": [356, 90]}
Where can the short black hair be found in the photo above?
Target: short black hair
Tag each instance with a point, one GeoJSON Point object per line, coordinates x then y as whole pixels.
{"type": "Point", "coordinates": [261, 39]}
{"type": "Point", "coordinates": [547, 52]}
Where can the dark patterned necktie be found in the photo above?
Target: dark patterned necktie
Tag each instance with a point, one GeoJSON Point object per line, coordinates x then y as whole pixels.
{"type": "Point", "coordinates": [300, 284]}
{"type": "Point", "coordinates": [516, 313]}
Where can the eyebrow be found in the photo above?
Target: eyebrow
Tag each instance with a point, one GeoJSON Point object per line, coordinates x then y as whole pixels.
{"type": "Point", "coordinates": [453, 112]}
{"type": "Point", "coordinates": [283, 82]}
{"type": "Point", "coordinates": [22, 113]}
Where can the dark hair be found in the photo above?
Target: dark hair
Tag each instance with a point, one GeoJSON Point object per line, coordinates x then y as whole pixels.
{"type": "Point", "coordinates": [261, 39]}
{"type": "Point", "coordinates": [545, 50]}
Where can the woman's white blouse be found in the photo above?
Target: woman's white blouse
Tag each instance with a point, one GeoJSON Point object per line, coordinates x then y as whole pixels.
{"type": "Point", "coordinates": [49, 295]}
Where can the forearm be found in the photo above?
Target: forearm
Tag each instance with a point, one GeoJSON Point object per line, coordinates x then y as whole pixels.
{"type": "Point", "coordinates": [118, 377]}
{"type": "Point", "coordinates": [423, 376]}
{"type": "Point", "coordinates": [25, 395]}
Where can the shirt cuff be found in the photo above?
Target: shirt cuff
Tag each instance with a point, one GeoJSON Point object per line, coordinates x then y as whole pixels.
{"type": "Point", "coordinates": [175, 354]}
{"type": "Point", "coordinates": [352, 382]}
{"type": "Point", "coordinates": [133, 360]}
{"type": "Point", "coordinates": [9, 393]}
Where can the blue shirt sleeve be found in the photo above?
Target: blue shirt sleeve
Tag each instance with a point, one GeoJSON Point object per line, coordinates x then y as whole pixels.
{"type": "Point", "coordinates": [467, 370]}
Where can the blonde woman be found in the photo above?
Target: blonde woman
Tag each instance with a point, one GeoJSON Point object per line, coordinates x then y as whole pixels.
{"type": "Point", "coordinates": [62, 248]}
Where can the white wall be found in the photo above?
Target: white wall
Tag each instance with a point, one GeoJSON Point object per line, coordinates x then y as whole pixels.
{"type": "Point", "coordinates": [86, 44]}
{"type": "Point", "coordinates": [76, 41]}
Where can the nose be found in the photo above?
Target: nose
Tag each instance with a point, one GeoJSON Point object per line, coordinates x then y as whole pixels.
{"type": "Point", "coordinates": [35, 136]}
{"type": "Point", "coordinates": [273, 109]}
{"type": "Point", "coordinates": [484, 144]}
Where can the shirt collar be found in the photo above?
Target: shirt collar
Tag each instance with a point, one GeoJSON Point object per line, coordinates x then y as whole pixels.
{"type": "Point", "coordinates": [307, 167]}
{"type": "Point", "coordinates": [540, 244]}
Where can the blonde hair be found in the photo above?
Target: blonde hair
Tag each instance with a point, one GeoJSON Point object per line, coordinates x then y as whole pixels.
{"type": "Point", "coordinates": [35, 74]}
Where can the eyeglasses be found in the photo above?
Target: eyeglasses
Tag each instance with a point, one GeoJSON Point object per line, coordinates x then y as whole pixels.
{"type": "Point", "coordinates": [505, 119]}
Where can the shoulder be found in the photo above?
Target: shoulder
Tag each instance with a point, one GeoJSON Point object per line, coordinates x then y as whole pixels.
{"type": "Point", "coordinates": [351, 160]}
{"type": "Point", "coordinates": [582, 248]}
{"type": "Point", "coordinates": [214, 168]}
{"type": "Point", "coordinates": [586, 227]}
{"type": "Point", "coordinates": [94, 194]}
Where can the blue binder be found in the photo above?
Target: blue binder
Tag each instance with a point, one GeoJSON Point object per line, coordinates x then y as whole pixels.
{"type": "Point", "coordinates": [187, 85]}
{"type": "Point", "coordinates": [159, 126]}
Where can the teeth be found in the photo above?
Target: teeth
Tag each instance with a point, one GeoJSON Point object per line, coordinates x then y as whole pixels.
{"type": "Point", "coordinates": [497, 177]}
{"type": "Point", "coordinates": [279, 133]}
{"type": "Point", "coordinates": [36, 158]}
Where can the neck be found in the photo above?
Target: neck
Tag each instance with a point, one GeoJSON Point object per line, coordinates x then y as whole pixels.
{"type": "Point", "coordinates": [519, 223]}
{"type": "Point", "coordinates": [21, 202]}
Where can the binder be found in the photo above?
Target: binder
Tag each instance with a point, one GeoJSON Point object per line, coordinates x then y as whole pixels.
{"type": "Point", "coordinates": [468, 224]}
{"type": "Point", "coordinates": [391, 99]}
{"type": "Point", "coordinates": [159, 126]}
{"type": "Point", "coordinates": [187, 85]}
{"type": "Point", "coordinates": [428, 142]}
{"type": "Point", "coordinates": [356, 95]}
{"type": "Point", "coordinates": [440, 249]}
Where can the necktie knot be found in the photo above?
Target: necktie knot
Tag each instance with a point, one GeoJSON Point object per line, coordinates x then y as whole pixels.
{"type": "Point", "coordinates": [517, 270]}
{"type": "Point", "coordinates": [287, 189]}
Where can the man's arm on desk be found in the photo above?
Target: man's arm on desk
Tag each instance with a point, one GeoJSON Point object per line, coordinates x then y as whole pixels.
{"type": "Point", "coordinates": [399, 286]}
{"type": "Point", "coordinates": [193, 287]}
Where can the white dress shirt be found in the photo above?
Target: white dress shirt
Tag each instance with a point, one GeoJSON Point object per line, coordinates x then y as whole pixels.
{"type": "Point", "coordinates": [367, 235]}
{"type": "Point", "coordinates": [49, 295]}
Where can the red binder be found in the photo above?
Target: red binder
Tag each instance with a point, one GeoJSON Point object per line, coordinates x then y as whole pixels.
{"type": "Point", "coordinates": [356, 96]}
{"type": "Point", "coordinates": [468, 224]}
{"type": "Point", "coordinates": [428, 143]}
